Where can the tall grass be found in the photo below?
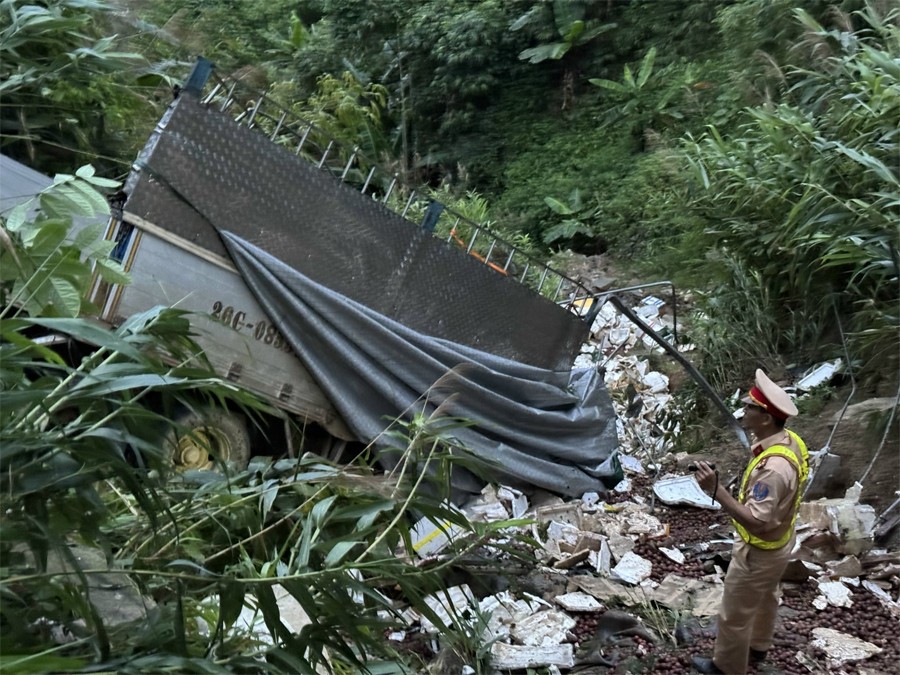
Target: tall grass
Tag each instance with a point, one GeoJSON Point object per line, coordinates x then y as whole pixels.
{"type": "Point", "coordinates": [802, 206]}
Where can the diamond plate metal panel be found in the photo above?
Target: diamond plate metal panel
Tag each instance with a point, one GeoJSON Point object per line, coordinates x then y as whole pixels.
{"type": "Point", "coordinates": [201, 171]}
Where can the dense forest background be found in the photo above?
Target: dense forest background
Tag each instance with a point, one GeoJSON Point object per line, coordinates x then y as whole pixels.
{"type": "Point", "coordinates": [747, 149]}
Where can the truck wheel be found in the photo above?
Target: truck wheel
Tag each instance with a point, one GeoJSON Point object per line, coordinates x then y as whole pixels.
{"type": "Point", "coordinates": [209, 440]}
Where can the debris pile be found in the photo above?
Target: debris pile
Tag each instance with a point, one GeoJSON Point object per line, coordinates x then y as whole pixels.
{"type": "Point", "coordinates": [608, 569]}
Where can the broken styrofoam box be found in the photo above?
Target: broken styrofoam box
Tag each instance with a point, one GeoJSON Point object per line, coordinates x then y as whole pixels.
{"type": "Point", "coordinates": [430, 536]}
{"type": "Point", "coordinates": [632, 569]}
{"type": "Point", "coordinates": [504, 611]}
{"type": "Point", "coordinates": [852, 523]}
{"type": "Point", "coordinates": [883, 595]}
{"type": "Point", "coordinates": [578, 602]}
{"type": "Point", "coordinates": [623, 486]}
{"type": "Point", "coordinates": [568, 514]}
{"type": "Point", "coordinates": [684, 490]}
{"type": "Point", "coordinates": [601, 560]}
{"type": "Point", "coordinates": [833, 593]}
{"type": "Point", "coordinates": [619, 545]}
{"type": "Point", "coordinates": [590, 500]}
{"type": "Point", "coordinates": [480, 511]}
{"type": "Point", "coordinates": [840, 648]}
{"type": "Point", "coordinates": [519, 657]}
{"type": "Point", "coordinates": [639, 522]}
{"type": "Point", "coordinates": [572, 560]}
{"type": "Point", "coordinates": [450, 605]}
{"type": "Point", "coordinates": [672, 554]}
{"type": "Point", "coordinates": [629, 463]}
{"type": "Point", "coordinates": [821, 374]}
{"type": "Point", "coordinates": [848, 566]}
{"type": "Point", "coordinates": [589, 541]}
{"type": "Point", "coordinates": [563, 533]}
{"type": "Point", "coordinates": [516, 502]}
{"type": "Point", "coordinates": [656, 383]}
{"type": "Point", "coordinates": [543, 629]}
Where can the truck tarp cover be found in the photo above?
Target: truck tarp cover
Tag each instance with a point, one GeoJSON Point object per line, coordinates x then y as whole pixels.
{"type": "Point", "coordinates": [552, 429]}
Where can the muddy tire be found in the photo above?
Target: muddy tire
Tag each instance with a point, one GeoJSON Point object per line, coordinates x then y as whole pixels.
{"type": "Point", "coordinates": [209, 440]}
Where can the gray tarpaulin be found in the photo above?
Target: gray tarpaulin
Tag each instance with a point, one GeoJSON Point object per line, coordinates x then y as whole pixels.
{"type": "Point", "coordinates": [551, 429]}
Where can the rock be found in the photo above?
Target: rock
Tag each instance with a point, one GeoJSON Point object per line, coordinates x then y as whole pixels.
{"type": "Point", "coordinates": [113, 594]}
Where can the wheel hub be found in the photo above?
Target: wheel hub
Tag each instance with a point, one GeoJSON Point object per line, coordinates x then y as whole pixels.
{"type": "Point", "coordinates": [200, 448]}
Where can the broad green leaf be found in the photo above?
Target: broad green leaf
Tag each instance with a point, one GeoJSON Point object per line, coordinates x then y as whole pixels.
{"type": "Point", "coordinates": [267, 498]}
{"type": "Point", "coordinates": [558, 207]}
{"type": "Point", "coordinates": [88, 235]}
{"type": "Point", "coordinates": [99, 181]}
{"type": "Point", "coordinates": [192, 567]}
{"type": "Point", "coordinates": [65, 297]}
{"type": "Point", "coordinates": [646, 68]}
{"type": "Point", "coordinates": [98, 204]}
{"type": "Point", "coordinates": [62, 178]}
{"type": "Point", "coordinates": [609, 84]}
{"type": "Point", "coordinates": [43, 236]}
{"type": "Point", "coordinates": [575, 29]}
{"type": "Point", "coordinates": [79, 203]}
{"type": "Point", "coordinates": [85, 171]}
{"type": "Point", "coordinates": [17, 216]}
{"type": "Point", "coordinates": [98, 249]}
{"type": "Point", "coordinates": [112, 271]}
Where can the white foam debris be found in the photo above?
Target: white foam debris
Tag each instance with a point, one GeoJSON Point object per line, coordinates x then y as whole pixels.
{"type": "Point", "coordinates": [543, 629]}
{"type": "Point", "coordinates": [578, 602]}
{"type": "Point", "coordinates": [672, 554]}
{"type": "Point", "coordinates": [833, 593]}
{"type": "Point", "coordinates": [519, 657]}
{"type": "Point", "coordinates": [450, 606]}
{"type": "Point", "coordinates": [840, 648]}
{"type": "Point", "coordinates": [632, 568]}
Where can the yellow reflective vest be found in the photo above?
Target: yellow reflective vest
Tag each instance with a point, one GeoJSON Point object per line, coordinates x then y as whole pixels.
{"type": "Point", "coordinates": [802, 468]}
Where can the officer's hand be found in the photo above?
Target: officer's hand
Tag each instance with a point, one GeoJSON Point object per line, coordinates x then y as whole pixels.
{"type": "Point", "coordinates": [706, 476]}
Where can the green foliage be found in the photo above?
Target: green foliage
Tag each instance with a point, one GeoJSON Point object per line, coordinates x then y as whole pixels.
{"type": "Point", "coordinates": [68, 90]}
{"type": "Point", "coordinates": [41, 270]}
{"type": "Point", "coordinates": [82, 464]}
{"type": "Point", "coordinates": [572, 30]}
{"type": "Point", "coordinates": [807, 199]}
{"type": "Point", "coordinates": [345, 109]}
{"type": "Point", "coordinates": [569, 228]}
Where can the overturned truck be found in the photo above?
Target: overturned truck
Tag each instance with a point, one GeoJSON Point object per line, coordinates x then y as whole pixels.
{"type": "Point", "coordinates": [349, 300]}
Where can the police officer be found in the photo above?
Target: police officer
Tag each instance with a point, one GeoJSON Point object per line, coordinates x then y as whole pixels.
{"type": "Point", "coordinates": [763, 515]}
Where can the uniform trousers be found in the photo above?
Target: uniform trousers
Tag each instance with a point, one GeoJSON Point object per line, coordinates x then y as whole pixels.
{"type": "Point", "coordinates": [749, 604]}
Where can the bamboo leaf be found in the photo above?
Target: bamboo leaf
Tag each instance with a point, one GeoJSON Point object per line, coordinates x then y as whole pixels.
{"type": "Point", "coordinates": [231, 602]}
{"type": "Point", "coordinates": [89, 332]}
{"type": "Point", "coordinates": [320, 510]}
{"type": "Point", "coordinates": [338, 552]}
